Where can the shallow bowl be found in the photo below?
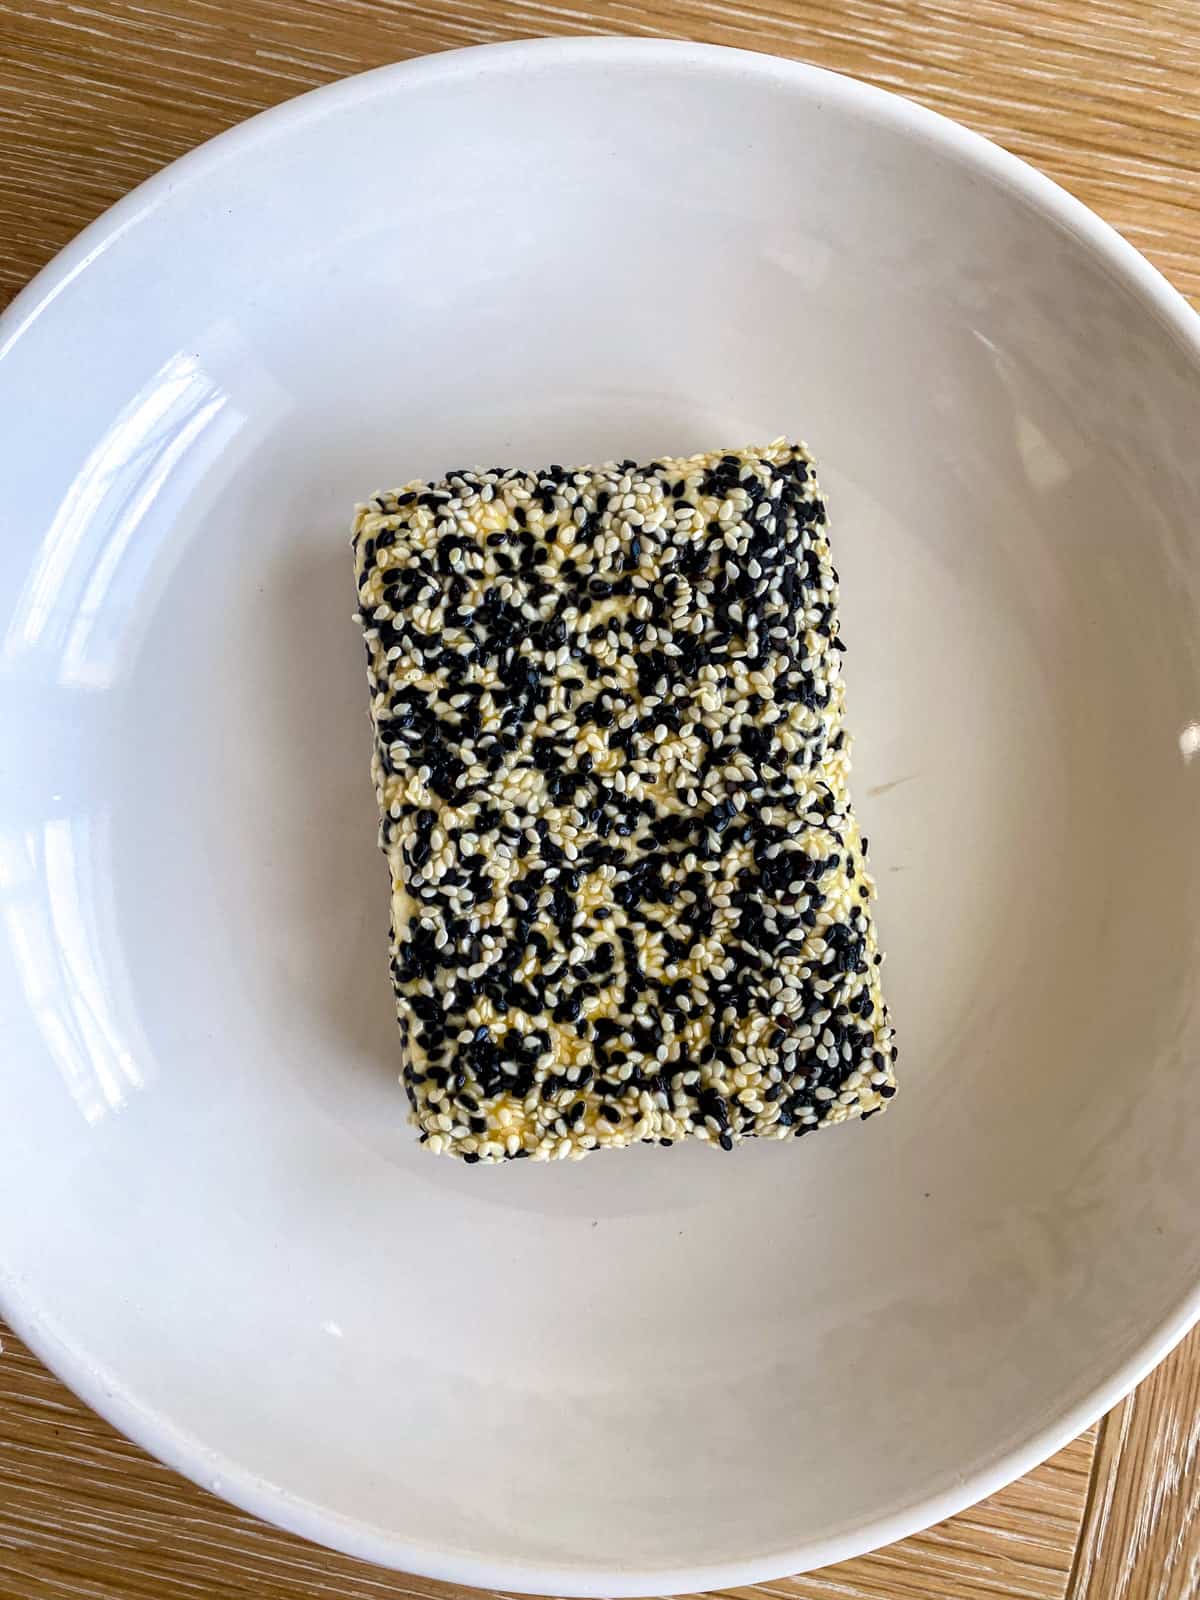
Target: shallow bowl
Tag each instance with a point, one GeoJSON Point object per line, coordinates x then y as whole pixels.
{"type": "Point", "coordinates": [664, 1370]}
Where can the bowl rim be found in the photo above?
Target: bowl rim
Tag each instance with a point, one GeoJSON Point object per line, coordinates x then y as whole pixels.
{"type": "Point", "coordinates": [178, 1448]}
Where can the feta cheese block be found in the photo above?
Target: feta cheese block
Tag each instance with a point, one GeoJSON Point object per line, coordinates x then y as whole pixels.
{"type": "Point", "coordinates": [629, 898]}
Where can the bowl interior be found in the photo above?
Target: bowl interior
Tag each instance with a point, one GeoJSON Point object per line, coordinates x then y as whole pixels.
{"type": "Point", "coordinates": [659, 1366]}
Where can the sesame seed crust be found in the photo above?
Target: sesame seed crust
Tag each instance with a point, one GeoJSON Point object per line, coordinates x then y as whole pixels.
{"type": "Point", "coordinates": [629, 897]}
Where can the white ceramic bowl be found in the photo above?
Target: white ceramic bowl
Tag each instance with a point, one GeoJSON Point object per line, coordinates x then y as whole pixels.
{"type": "Point", "coordinates": [658, 1371]}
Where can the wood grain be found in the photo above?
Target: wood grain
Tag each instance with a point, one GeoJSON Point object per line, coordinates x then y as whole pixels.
{"type": "Point", "coordinates": [94, 97]}
{"type": "Point", "coordinates": [1101, 94]}
{"type": "Point", "coordinates": [1141, 1535]}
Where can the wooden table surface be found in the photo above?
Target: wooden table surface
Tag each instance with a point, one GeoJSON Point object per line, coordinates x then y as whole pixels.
{"type": "Point", "coordinates": [95, 95]}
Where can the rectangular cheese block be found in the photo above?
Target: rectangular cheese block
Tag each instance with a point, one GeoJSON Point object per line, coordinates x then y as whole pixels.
{"type": "Point", "coordinates": [629, 898]}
